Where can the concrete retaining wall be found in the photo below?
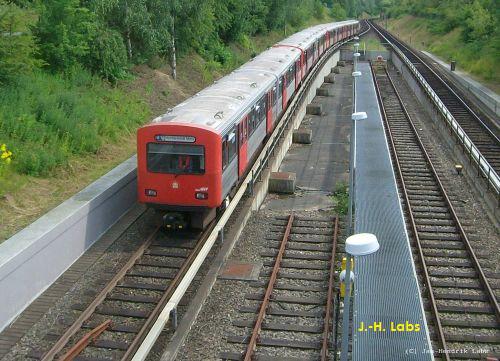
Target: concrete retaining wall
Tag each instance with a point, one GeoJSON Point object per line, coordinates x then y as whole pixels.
{"type": "Point", "coordinates": [40, 253]}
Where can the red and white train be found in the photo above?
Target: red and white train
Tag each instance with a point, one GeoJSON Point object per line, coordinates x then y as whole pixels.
{"type": "Point", "coordinates": [192, 157]}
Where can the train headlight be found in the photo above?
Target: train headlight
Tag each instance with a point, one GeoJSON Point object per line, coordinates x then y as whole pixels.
{"type": "Point", "coordinates": [150, 192]}
{"type": "Point", "coordinates": [201, 195]}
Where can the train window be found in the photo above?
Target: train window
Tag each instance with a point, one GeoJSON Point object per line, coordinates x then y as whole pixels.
{"type": "Point", "coordinates": [175, 158]}
{"type": "Point", "coordinates": [280, 87]}
{"type": "Point", "coordinates": [240, 132]}
{"type": "Point", "coordinates": [229, 148]}
{"type": "Point", "coordinates": [262, 106]}
{"type": "Point", "coordinates": [225, 154]}
{"type": "Point", "coordinates": [273, 96]}
{"type": "Point", "coordinates": [232, 145]}
{"type": "Point", "coordinates": [252, 121]}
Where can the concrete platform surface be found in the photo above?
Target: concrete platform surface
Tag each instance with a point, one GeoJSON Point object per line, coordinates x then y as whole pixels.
{"type": "Point", "coordinates": [386, 289]}
{"type": "Point", "coordinates": [321, 165]}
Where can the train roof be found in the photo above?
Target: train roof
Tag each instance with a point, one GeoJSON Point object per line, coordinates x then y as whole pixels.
{"type": "Point", "coordinates": [305, 38]}
{"type": "Point", "coordinates": [227, 99]}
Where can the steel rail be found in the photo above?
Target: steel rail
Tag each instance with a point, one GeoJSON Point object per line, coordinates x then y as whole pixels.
{"type": "Point", "coordinates": [85, 341]}
{"type": "Point", "coordinates": [483, 166]}
{"type": "Point", "coordinates": [402, 44]}
{"type": "Point", "coordinates": [329, 300]}
{"type": "Point", "coordinates": [146, 327]}
{"type": "Point", "coordinates": [252, 344]}
{"type": "Point", "coordinates": [475, 262]}
{"type": "Point", "coordinates": [465, 239]}
{"type": "Point", "coordinates": [84, 316]}
{"type": "Point", "coordinates": [427, 278]}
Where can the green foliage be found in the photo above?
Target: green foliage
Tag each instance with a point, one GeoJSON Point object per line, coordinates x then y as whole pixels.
{"type": "Point", "coordinates": [338, 12]}
{"type": "Point", "coordinates": [17, 46]}
{"type": "Point", "coordinates": [107, 56]}
{"type": "Point", "coordinates": [473, 27]}
{"type": "Point", "coordinates": [46, 119]}
{"type": "Point", "coordinates": [65, 30]}
{"type": "Point", "coordinates": [479, 23]}
{"type": "Point", "coordinates": [341, 198]}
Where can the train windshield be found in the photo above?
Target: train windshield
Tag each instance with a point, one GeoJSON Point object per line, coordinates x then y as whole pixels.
{"type": "Point", "coordinates": [176, 158]}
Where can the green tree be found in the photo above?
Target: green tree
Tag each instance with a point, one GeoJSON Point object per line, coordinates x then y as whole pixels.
{"type": "Point", "coordinates": [17, 46]}
{"type": "Point", "coordinates": [479, 23]}
{"type": "Point", "coordinates": [107, 56]}
{"type": "Point", "coordinates": [338, 12]}
{"type": "Point", "coordinates": [65, 30]}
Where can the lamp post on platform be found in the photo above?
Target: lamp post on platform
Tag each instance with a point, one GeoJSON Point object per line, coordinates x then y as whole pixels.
{"type": "Point", "coordinates": [361, 244]}
{"type": "Point", "coordinates": [352, 162]}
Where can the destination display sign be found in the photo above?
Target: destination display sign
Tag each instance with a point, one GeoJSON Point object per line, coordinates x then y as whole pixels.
{"type": "Point", "coordinates": [175, 138]}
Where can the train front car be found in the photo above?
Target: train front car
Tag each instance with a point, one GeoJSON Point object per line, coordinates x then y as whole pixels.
{"type": "Point", "coordinates": [179, 172]}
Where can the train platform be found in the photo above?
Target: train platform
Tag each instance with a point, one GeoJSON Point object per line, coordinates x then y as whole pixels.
{"type": "Point", "coordinates": [388, 316]}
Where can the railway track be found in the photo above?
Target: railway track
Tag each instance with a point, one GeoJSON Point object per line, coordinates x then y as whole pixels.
{"type": "Point", "coordinates": [476, 127]}
{"type": "Point", "coordinates": [290, 314]}
{"type": "Point", "coordinates": [115, 323]}
{"type": "Point", "coordinates": [462, 295]}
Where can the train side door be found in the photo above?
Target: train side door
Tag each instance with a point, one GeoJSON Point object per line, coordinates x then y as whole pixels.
{"type": "Point", "coordinates": [269, 112]}
{"type": "Point", "coordinates": [283, 91]}
{"type": "Point", "coordinates": [242, 146]}
{"type": "Point", "coordinates": [297, 74]}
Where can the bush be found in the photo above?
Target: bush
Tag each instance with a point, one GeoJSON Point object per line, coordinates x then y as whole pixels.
{"type": "Point", "coordinates": [47, 119]}
{"type": "Point", "coordinates": [108, 56]}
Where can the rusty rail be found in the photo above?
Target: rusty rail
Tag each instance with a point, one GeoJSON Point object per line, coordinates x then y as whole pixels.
{"type": "Point", "coordinates": [84, 316]}
{"type": "Point", "coordinates": [252, 344]}
{"type": "Point", "coordinates": [64, 340]}
{"type": "Point", "coordinates": [136, 343]}
{"type": "Point", "coordinates": [329, 300]}
{"type": "Point", "coordinates": [85, 341]}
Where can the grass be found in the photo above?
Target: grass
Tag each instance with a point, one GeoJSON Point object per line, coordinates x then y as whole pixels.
{"type": "Point", "coordinates": [478, 59]}
{"type": "Point", "coordinates": [63, 133]}
{"type": "Point", "coordinates": [340, 198]}
{"type": "Point", "coordinates": [46, 119]}
{"type": "Point", "coordinates": [370, 43]}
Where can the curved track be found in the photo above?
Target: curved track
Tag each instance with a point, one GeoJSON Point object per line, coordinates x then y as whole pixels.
{"type": "Point", "coordinates": [463, 303]}
{"type": "Point", "coordinates": [477, 129]}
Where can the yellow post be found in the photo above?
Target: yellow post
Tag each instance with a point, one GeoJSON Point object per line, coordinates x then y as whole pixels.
{"type": "Point", "coordinates": [342, 283]}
